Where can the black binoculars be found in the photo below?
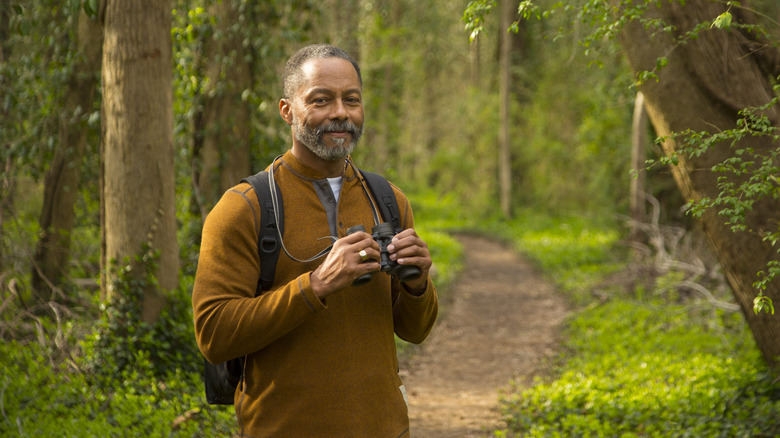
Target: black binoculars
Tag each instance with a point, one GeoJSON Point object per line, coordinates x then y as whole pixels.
{"type": "Point", "coordinates": [383, 234]}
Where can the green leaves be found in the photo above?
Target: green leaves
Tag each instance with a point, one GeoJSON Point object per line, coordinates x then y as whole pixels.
{"type": "Point", "coordinates": [527, 8]}
{"type": "Point", "coordinates": [723, 21]}
{"type": "Point", "coordinates": [763, 304]}
{"type": "Point", "coordinates": [137, 403]}
{"type": "Point", "coordinates": [746, 177]}
{"type": "Point", "coordinates": [91, 8]}
{"type": "Point", "coordinates": [474, 16]}
{"type": "Point", "coordinates": [647, 369]}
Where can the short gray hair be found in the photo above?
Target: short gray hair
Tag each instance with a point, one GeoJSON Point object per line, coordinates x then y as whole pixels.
{"type": "Point", "coordinates": [292, 78]}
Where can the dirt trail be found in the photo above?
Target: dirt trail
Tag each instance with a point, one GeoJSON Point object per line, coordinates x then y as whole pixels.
{"type": "Point", "coordinates": [502, 323]}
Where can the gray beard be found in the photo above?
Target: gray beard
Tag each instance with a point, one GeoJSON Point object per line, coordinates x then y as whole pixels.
{"type": "Point", "coordinates": [312, 139]}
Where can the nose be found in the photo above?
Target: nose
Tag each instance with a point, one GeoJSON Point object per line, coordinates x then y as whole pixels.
{"type": "Point", "coordinates": [339, 110]}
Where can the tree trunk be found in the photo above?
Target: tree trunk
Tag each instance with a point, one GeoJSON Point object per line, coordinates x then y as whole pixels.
{"type": "Point", "coordinates": [637, 210]}
{"type": "Point", "coordinates": [138, 176]}
{"type": "Point", "coordinates": [707, 80]}
{"type": "Point", "coordinates": [474, 66]}
{"type": "Point", "coordinates": [5, 159]}
{"type": "Point", "coordinates": [224, 128]}
{"type": "Point", "coordinates": [61, 184]}
{"type": "Point", "coordinates": [342, 20]}
{"type": "Point", "coordinates": [381, 66]}
{"type": "Point", "coordinates": [508, 9]}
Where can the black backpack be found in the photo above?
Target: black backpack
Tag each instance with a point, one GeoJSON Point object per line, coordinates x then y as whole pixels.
{"type": "Point", "coordinates": [221, 380]}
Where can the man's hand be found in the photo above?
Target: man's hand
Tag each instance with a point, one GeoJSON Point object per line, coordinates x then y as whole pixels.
{"type": "Point", "coordinates": [344, 264]}
{"type": "Point", "coordinates": [408, 249]}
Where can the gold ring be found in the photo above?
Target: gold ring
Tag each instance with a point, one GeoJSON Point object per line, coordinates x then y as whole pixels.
{"type": "Point", "coordinates": [363, 255]}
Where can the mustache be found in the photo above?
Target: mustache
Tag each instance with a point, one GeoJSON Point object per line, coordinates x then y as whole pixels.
{"type": "Point", "coordinates": [336, 125]}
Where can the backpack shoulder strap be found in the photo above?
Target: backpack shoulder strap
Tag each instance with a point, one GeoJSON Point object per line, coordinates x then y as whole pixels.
{"type": "Point", "coordinates": [268, 242]}
{"type": "Point", "coordinates": [383, 194]}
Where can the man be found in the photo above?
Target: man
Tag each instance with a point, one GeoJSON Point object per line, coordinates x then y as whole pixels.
{"type": "Point", "coordinates": [320, 352]}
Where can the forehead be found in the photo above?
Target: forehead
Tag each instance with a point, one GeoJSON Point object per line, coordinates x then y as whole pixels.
{"type": "Point", "coordinates": [329, 73]}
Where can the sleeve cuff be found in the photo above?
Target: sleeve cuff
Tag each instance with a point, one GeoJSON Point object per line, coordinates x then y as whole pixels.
{"type": "Point", "coordinates": [314, 302]}
{"type": "Point", "coordinates": [417, 293]}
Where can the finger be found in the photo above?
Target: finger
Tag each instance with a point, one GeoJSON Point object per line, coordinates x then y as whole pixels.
{"type": "Point", "coordinates": [368, 254]}
{"type": "Point", "coordinates": [404, 241]}
{"type": "Point", "coordinates": [363, 255]}
{"type": "Point", "coordinates": [422, 261]}
{"type": "Point", "coordinates": [353, 244]}
{"type": "Point", "coordinates": [355, 237]}
{"type": "Point", "coordinates": [404, 234]}
{"type": "Point", "coordinates": [408, 248]}
{"type": "Point", "coordinates": [407, 232]}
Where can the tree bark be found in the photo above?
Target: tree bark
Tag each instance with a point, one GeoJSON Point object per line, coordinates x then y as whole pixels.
{"type": "Point", "coordinates": [706, 82]}
{"type": "Point", "coordinates": [224, 127]}
{"type": "Point", "coordinates": [381, 66]}
{"type": "Point", "coordinates": [508, 9]}
{"type": "Point", "coordinates": [5, 159]}
{"type": "Point", "coordinates": [637, 210]}
{"type": "Point", "coordinates": [62, 180]}
{"type": "Point", "coordinates": [342, 20]}
{"type": "Point", "coordinates": [138, 176]}
{"type": "Point", "coordinates": [475, 62]}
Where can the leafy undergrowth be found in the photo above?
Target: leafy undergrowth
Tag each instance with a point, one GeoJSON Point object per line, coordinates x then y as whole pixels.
{"type": "Point", "coordinates": [637, 363]}
{"type": "Point", "coordinates": [42, 398]}
{"type": "Point", "coordinates": [73, 376]}
{"type": "Point", "coordinates": [644, 369]}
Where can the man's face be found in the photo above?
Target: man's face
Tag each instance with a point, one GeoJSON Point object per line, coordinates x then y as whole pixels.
{"type": "Point", "coordinates": [327, 110]}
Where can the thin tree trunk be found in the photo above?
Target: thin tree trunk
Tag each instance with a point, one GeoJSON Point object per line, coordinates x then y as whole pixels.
{"type": "Point", "coordinates": [637, 210]}
{"type": "Point", "coordinates": [474, 67]}
{"type": "Point", "coordinates": [62, 181]}
{"type": "Point", "coordinates": [504, 140]}
{"type": "Point", "coordinates": [706, 82]}
{"type": "Point", "coordinates": [342, 18]}
{"type": "Point", "coordinates": [380, 62]}
{"type": "Point", "coordinates": [138, 161]}
{"type": "Point", "coordinates": [6, 164]}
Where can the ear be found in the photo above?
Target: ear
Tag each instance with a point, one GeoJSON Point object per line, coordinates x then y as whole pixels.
{"type": "Point", "coordinates": [285, 110]}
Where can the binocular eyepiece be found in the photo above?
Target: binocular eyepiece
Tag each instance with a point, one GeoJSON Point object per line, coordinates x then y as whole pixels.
{"type": "Point", "coordinates": [383, 234]}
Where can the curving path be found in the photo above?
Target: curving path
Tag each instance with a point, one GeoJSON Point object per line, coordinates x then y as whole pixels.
{"type": "Point", "coordinates": [501, 322]}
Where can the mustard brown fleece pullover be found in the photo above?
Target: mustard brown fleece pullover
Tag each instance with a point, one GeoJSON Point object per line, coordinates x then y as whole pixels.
{"type": "Point", "coordinates": [314, 368]}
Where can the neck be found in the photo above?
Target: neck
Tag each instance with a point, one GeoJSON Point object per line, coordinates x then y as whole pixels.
{"type": "Point", "coordinates": [329, 169]}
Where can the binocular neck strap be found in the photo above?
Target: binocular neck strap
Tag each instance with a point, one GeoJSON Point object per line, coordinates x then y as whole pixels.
{"type": "Point", "coordinates": [365, 190]}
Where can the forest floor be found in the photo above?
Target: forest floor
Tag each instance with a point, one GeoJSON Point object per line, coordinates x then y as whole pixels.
{"type": "Point", "coordinates": [502, 322]}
